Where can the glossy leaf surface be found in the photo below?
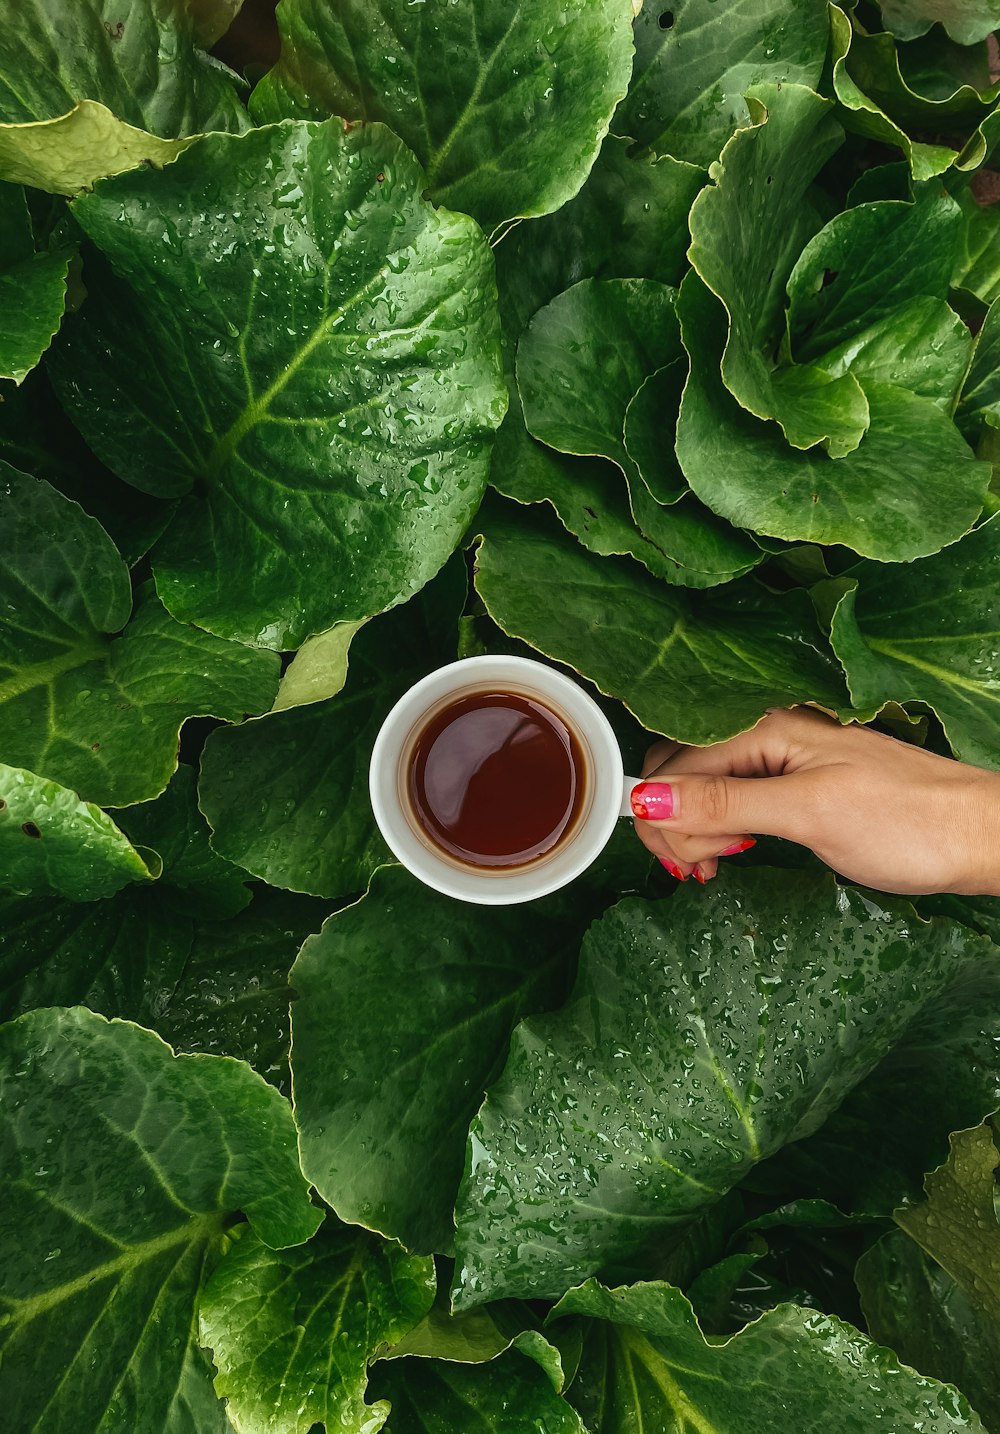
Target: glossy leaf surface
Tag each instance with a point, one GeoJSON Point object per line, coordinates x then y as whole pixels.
{"type": "Point", "coordinates": [328, 393]}
{"type": "Point", "coordinates": [118, 1192]}
{"type": "Point", "coordinates": [698, 1040]}
{"type": "Point", "coordinates": [507, 1396]}
{"type": "Point", "coordinates": [504, 108]}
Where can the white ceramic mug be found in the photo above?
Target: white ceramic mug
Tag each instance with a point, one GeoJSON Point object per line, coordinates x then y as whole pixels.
{"type": "Point", "coordinates": [606, 788]}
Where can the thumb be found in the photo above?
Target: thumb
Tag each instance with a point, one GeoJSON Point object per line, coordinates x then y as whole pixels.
{"type": "Point", "coordinates": [710, 804]}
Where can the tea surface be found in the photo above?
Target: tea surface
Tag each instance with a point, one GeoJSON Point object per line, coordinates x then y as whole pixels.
{"type": "Point", "coordinates": [496, 779]}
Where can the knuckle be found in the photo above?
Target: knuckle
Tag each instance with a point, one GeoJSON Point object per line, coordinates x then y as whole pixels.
{"type": "Point", "coordinates": [715, 799]}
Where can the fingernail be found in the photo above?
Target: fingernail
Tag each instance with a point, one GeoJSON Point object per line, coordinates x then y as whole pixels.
{"type": "Point", "coordinates": [739, 846]}
{"type": "Point", "coordinates": [699, 875]}
{"type": "Point", "coordinates": [672, 867]}
{"type": "Point", "coordinates": [653, 801]}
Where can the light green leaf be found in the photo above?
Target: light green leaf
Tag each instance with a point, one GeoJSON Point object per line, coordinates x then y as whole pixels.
{"type": "Point", "coordinates": [140, 59]}
{"type": "Point", "coordinates": [287, 796]}
{"type": "Point", "coordinates": [505, 108]}
{"type": "Point", "coordinates": [921, 1313]}
{"type": "Point", "coordinates": [321, 366]}
{"type": "Point", "coordinates": [865, 264]}
{"type": "Point", "coordinates": [385, 1091]}
{"type": "Point", "coordinates": [71, 153]}
{"type": "Point", "coordinates": [319, 668]}
{"type": "Point", "coordinates": [928, 632]}
{"type": "Point", "coordinates": [911, 487]}
{"type": "Point", "coordinates": [480, 1335]}
{"type": "Point", "coordinates": [586, 354]}
{"type": "Point", "coordinates": [99, 712]}
{"type": "Point", "coordinates": [667, 1076]}
{"type": "Point", "coordinates": [698, 668]}
{"type": "Point", "coordinates": [696, 60]}
{"type": "Point", "coordinates": [123, 1165]}
{"type": "Point", "coordinates": [291, 1331]}
{"type": "Point", "coordinates": [646, 1364]}
{"type": "Point", "coordinates": [922, 347]}
{"type": "Point", "coordinates": [52, 842]}
{"type": "Point", "coordinates": [978, 266]}
{"type": "Point", "coordinates": [233, 996]}
{"type": "Point", "coordinates": [966, 21]}
{"type": "Point", "coordinates": [509, 1395]}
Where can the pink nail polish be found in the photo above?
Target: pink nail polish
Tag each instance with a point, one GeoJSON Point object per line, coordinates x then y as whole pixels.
{"type": "Point", "coordinates": [698, 875]}
{"type": "Point", "coordinates": [673, 869]}
{"type": "Point", "coordinates": [739, 846]}
{"type": "Point", "coordinates": [653, 801]}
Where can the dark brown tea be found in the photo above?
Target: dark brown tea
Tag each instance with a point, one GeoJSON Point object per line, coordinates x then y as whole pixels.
{"type": "Point", "coordinates": [496, 779]}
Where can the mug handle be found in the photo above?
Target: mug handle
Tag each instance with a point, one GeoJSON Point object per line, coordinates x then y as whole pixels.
{"type": "Point", "coordinates": [628, 785]}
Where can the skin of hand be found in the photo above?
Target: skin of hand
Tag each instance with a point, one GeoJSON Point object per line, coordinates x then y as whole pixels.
{"type": "Point", "coordinates": [878, 811]}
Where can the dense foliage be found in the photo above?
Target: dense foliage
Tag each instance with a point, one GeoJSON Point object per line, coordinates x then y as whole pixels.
{"type": "Point", "coordinates": [662, 342]}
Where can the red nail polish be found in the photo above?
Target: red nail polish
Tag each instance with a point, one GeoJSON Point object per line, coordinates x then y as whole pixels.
{"type": "Point", "coordinates": [739, 846]}
{"type": "Point", "coordinates": [672, 867]}
{"type": "Point", "coordinates": [653, 801]}
{"type": "Point", "coordinates": [698, 875]}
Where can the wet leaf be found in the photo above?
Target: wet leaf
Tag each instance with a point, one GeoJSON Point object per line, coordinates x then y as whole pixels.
{"type": "Point", "coordinates": [509, 1395]}
{"type": "Point", "coordinates": [32, 289]}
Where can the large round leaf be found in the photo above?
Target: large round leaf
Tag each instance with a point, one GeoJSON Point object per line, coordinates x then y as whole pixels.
{"type": "Point", "coordinates": [909, 488]}
{"type": "Point", "coordinates": [89, 709]}
{"type": "Point", "coordinates": [291, 1331]}
{"type": "Point", "coordinates": [696, 59]}
{"type": "Point", "coordinates": [314, 353]}
{"type": "Point", "coordinates": [696, 667]}
{"type": "Point", "coordinates": [703, 1033]}
{"type": "Point", "coordinates": [122, 1165]}
{"type": "Point", "coordinates": [505, 106]}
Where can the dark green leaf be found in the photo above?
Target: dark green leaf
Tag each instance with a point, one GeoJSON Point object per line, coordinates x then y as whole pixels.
{"type": "Point", "coordinates": [233, 997]}
{"type": "Point", "coordinates": [978, 266]}
{"type": "Point", "coordinates": [510, 1395]}
{"type": "Point", "coordinates": [696, 59]}
{"type": "Point", "coordinates": [980, 398]}
{"type": "Point", "coordinates": [911, 487]}
{"type": "Point", "coordinates": [291, 1331]}
{"type": "Point", "coordinates": [122, 1165]}
{"type": "Point", "coordinates": [287, 797]}
{"type": "Point", "coordinates": [385, 1091]}
{"type": "Point", "coordinates": [703, 1033]}
{"type": "Point", "coordinates": [321, 364]}
{"type": "Point", "coordinates": [480, 1335]}
{"type": "Point", "coordinates": [928, 632]}
{"type": "Point", "coordinates": [99, 712]}
{"type": "Point", "coordinates": [912, 1305]}
{"type": "Point", "coordinates": [922, 347]}
{"type": "Point", "coordinates": [964, 20]}
{"type": "Point", "coordinates": [504, 107]}
{"type": "Point", "coordinates": [697, 667]}
{"type": "Point", "coordinates": [647, 1365]}
{"type": "Point", "coordinates": [53, 843]}
{"type": "Point", "coordinates": [701, 549]}
{"type": "Point", "coordinates": [32, 289]}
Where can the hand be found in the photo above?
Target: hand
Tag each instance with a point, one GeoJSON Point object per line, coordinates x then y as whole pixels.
{"type": "Point", "coordinates": [878, 811]}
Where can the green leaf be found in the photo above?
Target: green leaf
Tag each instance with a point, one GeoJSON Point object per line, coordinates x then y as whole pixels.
{"type": "Point", "coordinates": [319, 668]}
{"type": "Point", "coordinates": [140, 60]}
{"type": "Point", "coordinates": [654, 408]}
{"type": "Point", "coordinates": [911, 487]}
{"type": "Point", "coordinates": [504, 108]}
{"type": "Point", "coordinates": [950, 1052]}
{"type": "Point", "coordinates": [966, 21]}
{"type": "Point", "coordinates": [761, 186]}
{"type": "Point", "coordinates": [385, 1091]}
{"type": "Point", "coordinates": [979, 402]}
{"type": "Point", "coordinates": [978, 265]}
{"type": "Point", "coordinates": [99, 712]}
{"type": "Point", "coordinates": [584, 356]}
{"type": "Point", "coordinates": [696, 60]}
{"type": "Point", "coordinates": [701, 549]}
{"type": "Point", "coordinates": [233, 996]}
{"type": "Point", "coordinates": [174, 827]}
{"type": "Point", "coordinates": [287, 796]}
{"type": "Point", "coordinates": [668, 1074]}
{"type": "Point", "coordinates": [509, 1395]}
{"type": "Point", "coordinates": [480, 1335]}
{"type": "Point", "coordinates": [927, 632]}
{"type": "Point", "coordinates": [122, 956]}
{"type": "Point", "coordinates": [698, 668]}
{"type": "Point", "coordinates": [123, 1164]}
{"type": "Point", "coordinates": [37, 438]}
{"type": "Point", "coordinates": [922, 347]}
{"type": "Point", "coordinates": [32, 290]}
{"type": "Point", "coordinates": [329, 399]}
{"type": "Point", "coordinates": [865, 264]}
{"type": "Point", "coordinates": [646, 1364]}
{"type": "Point", "coordinates": [912, 1305]}
{"type": "Point", "coordinates": [291, 1331]}
{"type": "Point", "coordinates": [52, 842]}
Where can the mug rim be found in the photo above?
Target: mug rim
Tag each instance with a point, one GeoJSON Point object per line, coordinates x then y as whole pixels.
{"type": "Point", "coordinates": [533, 880]}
